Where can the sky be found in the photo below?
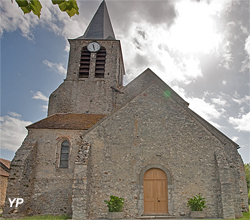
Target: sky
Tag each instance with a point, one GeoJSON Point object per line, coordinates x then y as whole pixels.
{"type": "Point", "coordinates": [199, 48]}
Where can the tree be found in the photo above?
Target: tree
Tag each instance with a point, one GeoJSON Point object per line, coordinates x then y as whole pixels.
{"type": "Point", "coordinates": [247, 171]}
{"type": "Point", "coordinates": [69, 6]}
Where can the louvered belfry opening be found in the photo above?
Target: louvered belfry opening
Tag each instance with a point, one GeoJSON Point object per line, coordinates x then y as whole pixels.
{"type": "Point", "coordinates": [100, 63]}
{"type": "Point", "coordinates": [84, 63]}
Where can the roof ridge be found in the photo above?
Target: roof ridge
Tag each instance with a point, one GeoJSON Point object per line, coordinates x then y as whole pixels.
{"type": "Point", "coordinates": [2, 165]}
{"type": "Point", "coordinates": [162, 84]}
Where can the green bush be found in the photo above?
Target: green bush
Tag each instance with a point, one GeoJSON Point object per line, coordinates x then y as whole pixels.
{"type": "Point", "coordinates": [197, 203]}
{"type": "Point", "coordinates": [115, 204]}
{"type": "Point", "coordinates": [248, 197]}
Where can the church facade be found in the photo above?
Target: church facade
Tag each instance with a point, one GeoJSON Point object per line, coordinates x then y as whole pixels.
{"type": "Point", "coordinates": [140, 142]}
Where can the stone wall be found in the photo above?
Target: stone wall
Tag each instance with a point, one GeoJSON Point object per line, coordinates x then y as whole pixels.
{"type": "Point", "coordinates": [36, 177]}
{"type": "Point", "coordinates": [3, 187]}
{"type": "Point", "coordinates": [153, 129]}
{"type": "Point", "coordinates": [21, 180]}
{"type": "Point", "coordinates": [88, 95]}
{"type": "Point", "coordinates": [81, 184]}
{"type": "Point", "coordinates": [53, 186]}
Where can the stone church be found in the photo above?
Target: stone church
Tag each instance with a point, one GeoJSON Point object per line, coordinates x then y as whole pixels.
{"type": "Point", "coordinates": [140, 142]}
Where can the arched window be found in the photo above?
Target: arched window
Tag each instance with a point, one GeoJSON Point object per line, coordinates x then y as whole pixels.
{"type": "Point", "coordinates": [100, 63]}
{"type": "Point", "coordinates": [84, 63]}
{"type": "Point", "coordinates": [64, 158]}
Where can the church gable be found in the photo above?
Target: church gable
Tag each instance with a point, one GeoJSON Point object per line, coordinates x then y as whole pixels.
{"type": "Point", "coordinates": [148, 78]}
{"type": "Point", "coordinates": [151, 114]}
{"type": "Point", "coordinates": [152, 129]}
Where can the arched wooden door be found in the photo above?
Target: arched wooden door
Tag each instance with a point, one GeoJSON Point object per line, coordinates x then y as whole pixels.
{"type": "Point", "coordinates": [155, 190]}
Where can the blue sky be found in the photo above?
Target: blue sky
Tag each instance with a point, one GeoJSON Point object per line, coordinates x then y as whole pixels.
{"type": "Point", "coordinates": [200, 48]}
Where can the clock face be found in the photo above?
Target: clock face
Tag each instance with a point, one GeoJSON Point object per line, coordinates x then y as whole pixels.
{"type": "Point", "coordinates": [93, 47]}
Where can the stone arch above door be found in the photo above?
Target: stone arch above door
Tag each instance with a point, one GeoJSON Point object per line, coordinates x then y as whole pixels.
{"type": "Point", "coordinates": [145, 169]}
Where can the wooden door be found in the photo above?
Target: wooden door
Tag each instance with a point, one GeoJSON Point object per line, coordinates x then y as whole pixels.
{"type": "Point", "coordinates": [155, 192]}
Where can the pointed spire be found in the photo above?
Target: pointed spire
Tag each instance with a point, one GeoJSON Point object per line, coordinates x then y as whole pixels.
{"type": "Point", "coordinates": [100, 26]}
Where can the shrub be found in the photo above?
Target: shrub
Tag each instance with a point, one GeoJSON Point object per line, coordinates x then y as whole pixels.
{"type": "Point", "coordinates": [248, 197]}
{"type": "Point", "coordinates": [197, 203]}
{"type": "Point", "coordinates": [115, 204]}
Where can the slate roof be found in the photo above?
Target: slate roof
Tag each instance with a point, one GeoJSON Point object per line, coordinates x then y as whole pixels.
{"type": "Point", "coordinates": [68, 121]}
{"type": "Point", "coordinates": [100, 26]}
{"type": "Point", "coordinates": [4, 167]}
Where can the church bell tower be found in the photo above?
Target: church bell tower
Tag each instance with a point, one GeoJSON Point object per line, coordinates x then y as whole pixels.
{"type": "Point", "coordinates": [95, 70]}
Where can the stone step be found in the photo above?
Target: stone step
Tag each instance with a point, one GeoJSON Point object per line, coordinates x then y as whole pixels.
{"type": "Point", "coordinates": [156, 217]}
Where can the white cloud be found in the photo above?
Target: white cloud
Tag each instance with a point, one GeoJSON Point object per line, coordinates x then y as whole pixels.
{"type": "Point", "coordinates": [234, 138]}
{"type": "Point", "coordinates": [244, 29]}
{"type": "Point", "coordinates": [219, 101]}
{"type": "Point", "coordinates": [40, 96]}
{"type": "Point", "coordinates": [247, 45]}
{"type": "Point", "coordinates": [204, 109]}
{"type": "Point", "coordinates": [242, 123]}
{"type": "Point", "coordinates": [227, 56]}
{"type": "Point", "coordinates": [194, 28]}
{"type": "Point", "coordinates": [13, 131]}
{"type": "Point", "coordinates": [246, 62]}
{"type": "Point", "coordinates": [241, 111]}
{"type": "Point", "coordinates": [14, 114]}
{"type": "Point", "coordinates": [45, 108]}
{"type": "Point", "coordinates": [240, 101]}
{"type": "Point", "coordinates": [147, 46]}
{"type": "Point", "coordinates": [67, 48]}
{"type": "Point", "coordinates": [216, 125]}
{"type": "Point", "coordinates": [180, 91]}
{"type": "Point", "coordinates": [56, 67]}
{"type": "Point", "coordinates": [167, 50]}
{"type": "Point", "coordinates": [13, 18]}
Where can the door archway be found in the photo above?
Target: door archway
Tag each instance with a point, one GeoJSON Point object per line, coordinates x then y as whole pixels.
{"type": "Point", "coordinates": [155, 188]}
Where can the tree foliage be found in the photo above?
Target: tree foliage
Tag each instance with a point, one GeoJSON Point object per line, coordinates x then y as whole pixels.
{"type": "Point", "coordinates": [69, 6]}
{"type": "Point", "coordinates": [247, 171]}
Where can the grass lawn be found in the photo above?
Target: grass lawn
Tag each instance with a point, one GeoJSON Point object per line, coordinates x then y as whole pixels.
{"type": "Point", "coordinates": [246, 216]}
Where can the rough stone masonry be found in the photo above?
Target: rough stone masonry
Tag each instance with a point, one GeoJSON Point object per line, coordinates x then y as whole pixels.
{"type": "Point", "coordinates": [101, 139]}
